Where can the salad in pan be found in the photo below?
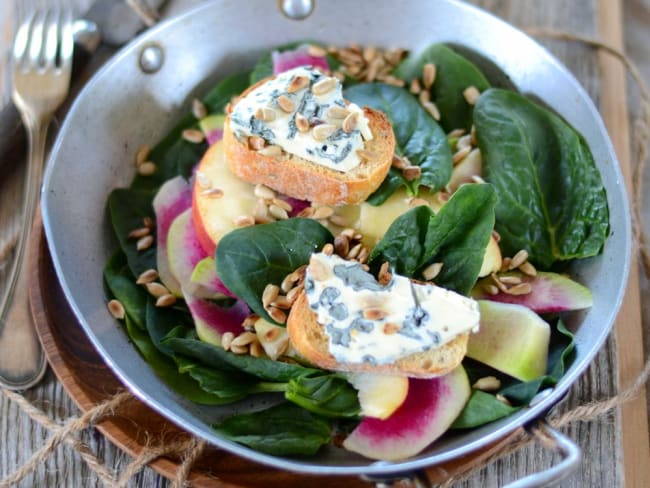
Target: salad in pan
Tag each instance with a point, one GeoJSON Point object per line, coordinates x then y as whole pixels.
{"type": "Point", "coordinates": [376, 241]}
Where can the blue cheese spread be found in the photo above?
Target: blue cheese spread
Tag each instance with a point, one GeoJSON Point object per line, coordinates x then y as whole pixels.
{"type": "Point", "coordinates": [303, 112]}
{"type": "Point", "coordinates": [366, 321]}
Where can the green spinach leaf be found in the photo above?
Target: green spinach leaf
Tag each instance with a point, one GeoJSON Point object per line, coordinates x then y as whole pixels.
{"type": "Point", "coordinates": [161, 321]}
{"type": "Point", "coordinates": [418, 137]}
{"type": "Point", "coordinates": [116, 274]}
{"type": "Point", "coordinates": [216, 357]}
{"type": "Point", "coordinates": [454, 73]}
{"type": "Point", "coordinates": [329, 395]}
{"type": "Point", "coordinates": [174, 155]}
{"type": "Point", "coordinates": [551, 197]}
{"type": "Point", "coordinates": [482, 408]}
{"type": "Point", "coordinates": [249, 258]}
{"type": "Point", "coordinates": [128, 209]}
{"type": "Point", "coordinates": [456, 236]}
{"type": "Point", "coordinates": [282, 430]}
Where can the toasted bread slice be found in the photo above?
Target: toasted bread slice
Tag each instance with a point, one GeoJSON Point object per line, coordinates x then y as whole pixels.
{"type": "Point", "coordinates": [305, 180]}
{"type": "Point", "coordinates": [308, 337]}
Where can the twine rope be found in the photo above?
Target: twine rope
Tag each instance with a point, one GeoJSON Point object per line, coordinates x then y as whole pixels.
{"type": "Point", "coordinates": [191, 449]}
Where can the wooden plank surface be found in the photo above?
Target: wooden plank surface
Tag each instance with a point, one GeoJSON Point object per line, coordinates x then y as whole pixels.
{"type": "Point", "coordinates": [600, 440]}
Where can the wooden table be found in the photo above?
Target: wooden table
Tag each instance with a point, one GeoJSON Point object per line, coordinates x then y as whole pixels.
{"type": "Point", "coordinates": [615, 448]}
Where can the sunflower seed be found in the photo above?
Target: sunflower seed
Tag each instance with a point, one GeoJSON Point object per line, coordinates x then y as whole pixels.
{"type": "Point", "coordinates": [142, 154]}
{"type": "Point", "coordinates": [455, 133]}
{"type": "Point", "coordinates": [226, 340]}
{"type": "Point", "coordinates": [116, 309]}
{"type": "Point", "coordinates": [491, 289]}
{"type": "Point", "coordinates": [147, 277]}
{"type": "Point", "coordinates": [302, 124]}
{"type": "Point", "coordinates": [323, 86]}
{"type": "Point", "coordinates": [278, 315]}
{"type": "Point", "coordinates": [487, 383]}
{"type": "Point", "coordinates": [269, 294]}
{"type": "Point", "coordinates": [239, 350]}
{"type": "Point", "coordinates": [198, 109]}
{"type": "Point", "coordinates": [278, 212]}
{"type": "Point", "coordinates": [323, 212]}
{"type": "Point", "coordinates": [139, 232]}
{"type": "Point", "coordinates": [156, 289]}
{"type": "Point", "coordinates": [416, 202]}
{"type": "Point", "coordinates": [428, 75]}
{"type": "Point", "coordinates": [431, 271]}
{"type": "Point", "coordinates": [297, 83]}
{"type": "Point", "coordinates": [323, 131]}
{"type": "Point", "coordinates": [328, 249]}
{"type": "Point", "coordinates": [282, 204]}
{"type": "Point", "coordinates": [256, 143]}
{"type": "Point", "coordinates": [520, 289]}
{"type": "Point", "coordinates": [166, 301]}
{"type": "Point", "coordinates": [350, 122]}
{"type": "Point", "coordinates": [354, 252]}
{"type": "Point", "coordinates": [510, 280]}
{"type": "Point", "coordinates": [265, 114]}
{"type": "Point", "coordinates": [415, 87]}
{"type": "Point", "coordinates": [471, 94]}
{"type": "Point", "coordinates": [528, 269]}
{"type": "Point", "coordinates": [432, 108]}
{"type": "Point", "coordinates": [244, 220]}
{"type": "Point", "coordinates": [461, 154]}
{"type": "Point", "coordinates": [255, 349]}
{"type": "Point", "coordinates": [263, 191]}
{"type": "Point", "coordinates": [518, 259]}
{"type": "Point", "coordinates": [147, 168]}
{"type": "Point", "coordinates": [193, 135]}
{"type": "Point", "coordinates": [271, 151]}
{"type": "Point", "coordinates": [424, 97]}
{"type": "Point", "coordinates": [144, 243]}
{"type": "Point", "coordinates": [281, 302]}
{"type": "Point", "coordinates": [286, 104]}
{"type": "Point", "coordinates": [244, 339]}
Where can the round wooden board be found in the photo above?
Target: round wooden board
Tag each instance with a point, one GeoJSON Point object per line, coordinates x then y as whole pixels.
{"type": "Point", "coordinates": [89, 382]}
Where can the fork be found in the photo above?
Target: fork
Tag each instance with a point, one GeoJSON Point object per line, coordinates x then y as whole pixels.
{"type": "Point", "coordinates": [42, 62]}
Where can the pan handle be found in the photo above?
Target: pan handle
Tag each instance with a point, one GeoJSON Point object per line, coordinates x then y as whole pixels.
{"type": "Point", "coordinates": [569, 450]}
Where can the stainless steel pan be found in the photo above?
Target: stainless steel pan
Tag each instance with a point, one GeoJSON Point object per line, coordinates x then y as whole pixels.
{"type": "Point", "coordinates": [125, 106]}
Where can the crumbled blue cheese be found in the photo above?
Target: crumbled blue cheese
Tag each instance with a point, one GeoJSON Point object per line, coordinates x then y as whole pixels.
{"type": "Point", "coordinates": [369, 322]}
{"type": "Point", "coordinates": [265, 112]}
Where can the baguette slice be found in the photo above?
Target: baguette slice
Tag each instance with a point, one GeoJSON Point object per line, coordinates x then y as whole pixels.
{"type": "Point", "coordinates": [302, 179]}
{"type": "Point", "coordinates": [309, 339]}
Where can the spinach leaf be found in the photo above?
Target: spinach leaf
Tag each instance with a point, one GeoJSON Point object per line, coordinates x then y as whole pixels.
{"type": "Point", "coordinates": [121, 284]}
{"type": "Point", "coordinates": [160, 321]}
{"type": "Point", "coordinates": [329, 395]}
{"type": "Point", "coordinates": [249, 258]}
{"type": "Point", "coordinates": [174, 155]}
{"type": "Point", "coordinates": [456, 236]}
{"type": "Point", "coordinates": [551, 197]}
{"type": "Point", "coordinates": [482, 408]}
{"type": "Point", "coordinates": [282, 430]}
{"type": "Point", "coordinates": [128, 209]}
{"type": "Point", "coordinates": [116, 274]}
{"type": "Point", "coordinates": [417, 136]}
{"type": "Point", "coordinates": [216, 357]}
{"type": "Point", "coordinates": [454, 74]}
{"type": "Point", "coordinates": [229, 386]}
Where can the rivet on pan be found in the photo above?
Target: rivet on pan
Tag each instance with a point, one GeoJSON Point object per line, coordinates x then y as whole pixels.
{"type": "Point", "coordinates": [152, 58]}
{"type": "Point", "coordinates": [296, 9]}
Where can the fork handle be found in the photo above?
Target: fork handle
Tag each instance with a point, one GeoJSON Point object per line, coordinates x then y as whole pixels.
{"type": "Point", "coordinates": [22, 361]}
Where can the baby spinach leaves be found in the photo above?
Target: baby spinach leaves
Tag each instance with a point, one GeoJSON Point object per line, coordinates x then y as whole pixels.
{"type": "Point", "coordinates": [454, 73]}
{"type": "Point", "coordinates": [282, 430]}
{"type": "Point", "coordinates": [326, 394]}
{"type": "Point", "coordinates": [456, 236]}
{"type": "Point", "coordinates": [250, 258]}
{"type": "Point", "coordinates": [418, 137]}
{"type": "Point", "coordinates": [551, 198]}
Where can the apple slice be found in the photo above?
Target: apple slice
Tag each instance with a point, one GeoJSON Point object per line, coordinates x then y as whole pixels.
{"type": "Point", "coordinates": [379, 394]}
{"type": "Point", "coordinates": [173, 198]}
{"type": "Point", "coordinates": [274, 339]}
{"type": "Point", "coordinates": [492, 258]}
{"type": "Point", "coordinates": [465, 170]}
{"type": "Point", "coordinates": [430, 407]}
{"type": "Point", "coordinates": [512, 339]}
{"type": "Point", "coordinates": [214, 216]}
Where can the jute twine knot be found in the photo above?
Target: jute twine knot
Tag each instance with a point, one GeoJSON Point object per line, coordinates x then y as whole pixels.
{"type": "Point", "coordinates": [189, 450]}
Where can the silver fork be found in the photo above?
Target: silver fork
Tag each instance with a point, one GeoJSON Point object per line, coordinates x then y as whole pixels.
{"type": "Point", "coordinates": [42, 62]}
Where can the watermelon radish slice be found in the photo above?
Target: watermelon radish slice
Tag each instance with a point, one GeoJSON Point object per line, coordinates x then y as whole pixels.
{"type": "Point", "coordinates": [212, 127]}
{"type": "Point", "coordinates": [551, 292]}
{"type": "Point", "coordinates": [212, 321]}
{"type": "Point", "coordinates": [173, 198]}
{"type": "Point", "coordinates": [286, 60]}
{"type": "Point", "coordinates": [205, 275]}
{"type": "Point", "coordinates": [430, 407]}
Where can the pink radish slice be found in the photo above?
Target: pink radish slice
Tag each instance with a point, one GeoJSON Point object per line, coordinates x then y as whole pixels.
{"type": "Point", "coordinates": [430, 407]}
{"type": "Point", "coordinates": [286, 60]}
{"type": "Point", "coordinates": [212, 321]}
{"type": "Point", "coordinates": [173, 198]}
{"type": "Point", "coordinates": [550, 292]}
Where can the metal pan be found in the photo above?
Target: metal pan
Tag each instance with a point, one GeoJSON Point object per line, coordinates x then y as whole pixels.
{"type": "Point", "coordinates": [125, 106]}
